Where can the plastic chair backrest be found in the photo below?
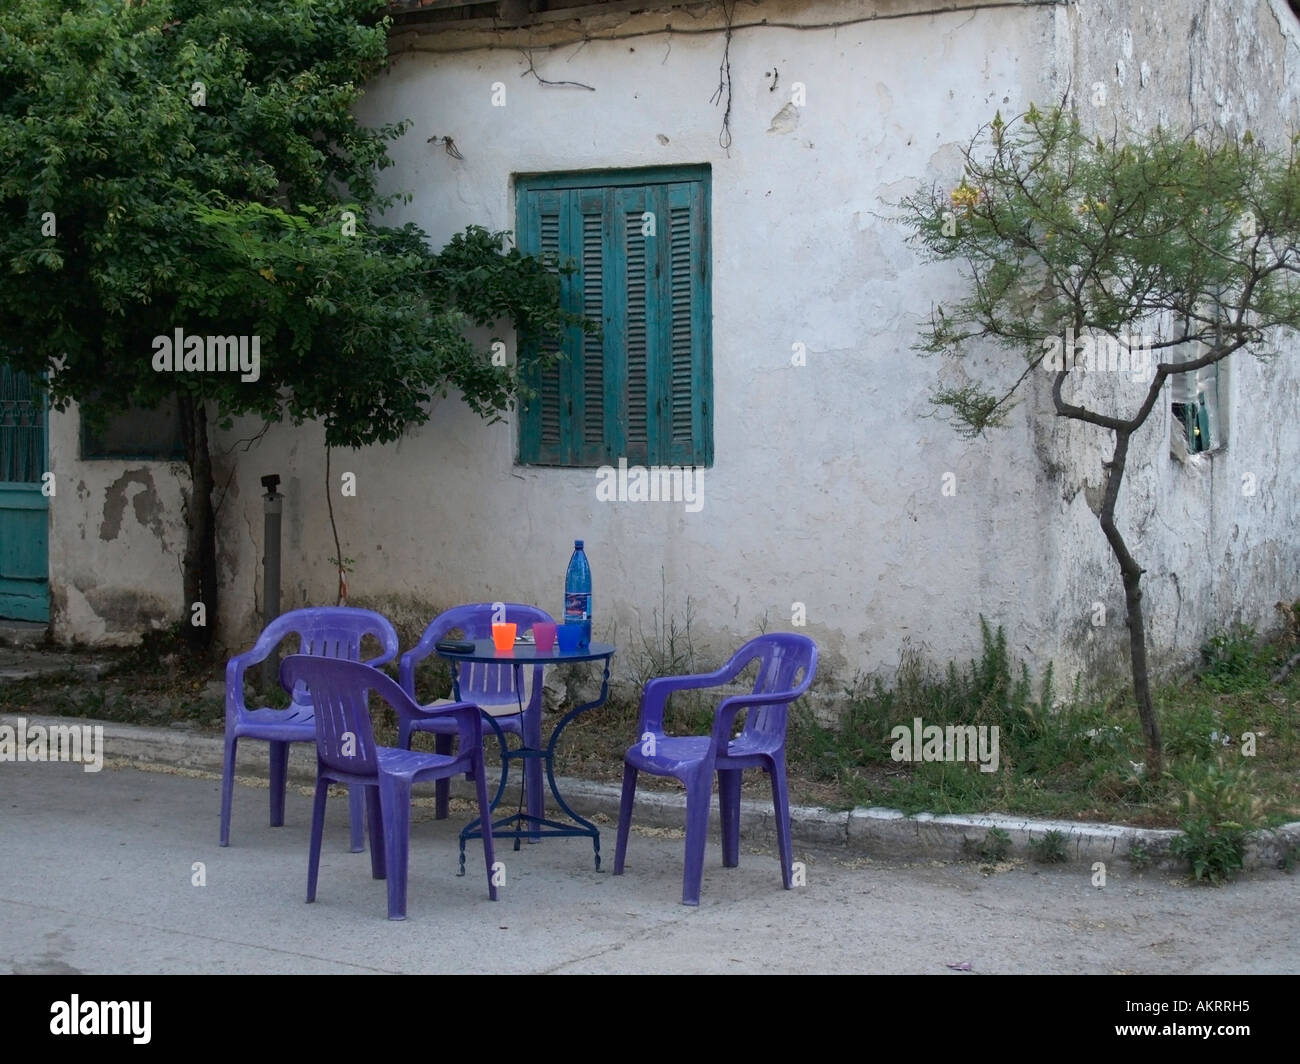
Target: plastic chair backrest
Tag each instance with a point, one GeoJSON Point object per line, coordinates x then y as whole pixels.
{"type": "Point", "coordinates": [332, 632]}
{"type": "Point", "coordinates": [786, 663]}
{"type": "Point", "coordinates": [345, 740]}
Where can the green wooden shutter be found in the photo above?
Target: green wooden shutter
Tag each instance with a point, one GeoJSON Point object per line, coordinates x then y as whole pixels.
{"type": "Point", "coordinates": [586, 396]}
{"type": "Point", "coordinates": [680, 373]}
{"type": "Point", "coordinates": [660, 334]}
{"type": "Point", "coordinates": [631, 343]}
{"type": "Point", "coordinates": [541, 227]}
{"type": "Point", "coordinates": [642, 387]}
{"type": "Point", "coordinates": [688, 373]}
{"type": "Point", "coordinates": [565, 424]}
{"type": "Point", "coordinates": [1203, 440]}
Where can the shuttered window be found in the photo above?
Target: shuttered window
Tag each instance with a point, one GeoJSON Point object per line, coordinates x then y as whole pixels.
{"type": "Point", "coordinates": [642, 387]}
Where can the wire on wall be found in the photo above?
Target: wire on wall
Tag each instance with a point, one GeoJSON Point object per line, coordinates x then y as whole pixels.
{"type": "Point", "coordinates": [724, 78]}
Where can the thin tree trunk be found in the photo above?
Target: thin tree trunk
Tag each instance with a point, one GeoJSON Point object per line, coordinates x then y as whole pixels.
{"type": "Point", "coordinates": [1131, 574]}
{"type": "Point", "coordinates": [200, 568]}
{"type": "Point", "coordinates": [342, 599]}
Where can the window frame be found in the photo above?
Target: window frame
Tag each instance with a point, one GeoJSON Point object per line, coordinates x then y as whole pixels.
{"type": "Point", "coordinates": [37, 383]}
{"type": "Point", "coordinates": [1196, 385]}
{"type": "Point", "coordinates": [660, 185]}
{"type": "Point", "coordinates": [138, 453]}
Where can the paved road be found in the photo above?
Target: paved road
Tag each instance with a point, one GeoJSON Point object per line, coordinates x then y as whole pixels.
{"type": "Point", "coordinates": [97, 870]}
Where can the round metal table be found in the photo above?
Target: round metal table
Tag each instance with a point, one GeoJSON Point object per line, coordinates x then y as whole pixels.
{"type": "Point", "coordinates": [523, 825]}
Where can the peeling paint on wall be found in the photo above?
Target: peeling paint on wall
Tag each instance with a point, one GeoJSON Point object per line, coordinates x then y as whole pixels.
{"type": "Point", "coordinates": [785, 120]}
{"type": "Point", "coordinates": [145, 504]}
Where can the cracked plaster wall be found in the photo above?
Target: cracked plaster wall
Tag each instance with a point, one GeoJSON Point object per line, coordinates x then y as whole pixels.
{"type": "Point", "coordinates": [116, 538]}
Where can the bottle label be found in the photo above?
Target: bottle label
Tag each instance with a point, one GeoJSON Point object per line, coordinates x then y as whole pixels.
{"type": "Point", "coordinates": [577, 605]}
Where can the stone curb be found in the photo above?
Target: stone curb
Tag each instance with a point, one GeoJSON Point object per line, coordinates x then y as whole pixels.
{"type": "Point", "coordinates": [85, 671]}
{"type": "Point", "coordinates": [872, 832]}
{"type": "Point", "coordinates": [22, 634]}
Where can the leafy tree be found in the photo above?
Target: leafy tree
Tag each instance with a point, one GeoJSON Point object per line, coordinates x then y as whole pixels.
{"type": "Point", "coordinates": [196, 165]}
{"type": "Point", "coordinates": [1073, 245]}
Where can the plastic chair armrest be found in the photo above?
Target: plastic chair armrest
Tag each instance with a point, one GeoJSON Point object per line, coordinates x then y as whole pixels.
{"type": "Point", "coordinates": [411, 659]}
{"type": "Point", "coordinates": [406, 670]}
{"type": "Point", "coordinates": [235, 669]}
{"type": "Point", "coordinates": [724, 720]}
{"type": "Point", "coordinates": [387, 637]}
{"type": "Point", "coordinates": [654, 697]}
{"type": "Point", "coordinates": [468, 718]}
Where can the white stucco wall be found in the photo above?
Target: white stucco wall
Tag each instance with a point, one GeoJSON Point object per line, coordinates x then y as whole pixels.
{"type": "Point", "coordinates": [827, 486]}
{"type": "Point", "coordinates": [117, 537]}
{"type": "Point", "coordinates": [1213, 554]}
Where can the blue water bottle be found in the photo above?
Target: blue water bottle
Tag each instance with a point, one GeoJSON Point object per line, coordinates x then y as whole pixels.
{"type": "Point", "coordinates": [577, 592]}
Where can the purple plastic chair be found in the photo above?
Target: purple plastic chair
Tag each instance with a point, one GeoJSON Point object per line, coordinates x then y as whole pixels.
{"type": "Point", "coordinates": [325, 631]}
{"type": "Point", "coordinates": [783, 658]}
{"type": "Point", "coordinates": [346, 752]}
{"type": "Point", "coordinates": [490, 686]}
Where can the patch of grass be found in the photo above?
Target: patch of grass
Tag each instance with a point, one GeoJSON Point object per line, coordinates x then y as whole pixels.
{"type": "Point", "coordinates": [1235, 660]}
{"type": "Point", "coordinates": [1214, 852]}
{"type": "Point", "coordinates": [669, 650]}
{"type": "Point", "coordinates": [1082, 760]}
{"type": "Point", "coordinates": [1050, 849]}
{"type": "Point", "coordinates": [944, 787]}
{"type": "Point", "coordinates": [1138, 856]}
{"type": "Point", "coordinates": [996, 846]}
{"type": "Point", "coordinates": [1219, 809]}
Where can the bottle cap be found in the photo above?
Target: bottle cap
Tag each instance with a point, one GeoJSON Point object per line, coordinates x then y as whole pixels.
{"type": "Point", "coordinates": [577, 544]}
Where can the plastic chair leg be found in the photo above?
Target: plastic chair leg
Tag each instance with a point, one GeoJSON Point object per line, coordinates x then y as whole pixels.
{"type": "Point", "coordinates": [442, 789]}
{"type": "Point", "coordinates": [357, 816]}
{"type": "Point", "coordinates": [781, 806]}
{"type": "Point", "coordinates": [317, 830]}
{"type": "Point", "coordinates": [395, 803]}
{"type": "Point", "coordinates": [279, 774]}
{"type": "Point", "coordinates": [624, 816]}
{"type": "Point", "coordinates": [375, 814]}
{"type": "Point", "coordinates": [729, 807]}
{"type": "Point", "coordinates": [699, 791]}
{"type": "Point", "coordinates": [227, 789]}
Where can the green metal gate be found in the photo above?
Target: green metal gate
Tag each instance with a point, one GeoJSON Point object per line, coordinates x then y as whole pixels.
{"type": "Point", "coordinates": [24, 508]}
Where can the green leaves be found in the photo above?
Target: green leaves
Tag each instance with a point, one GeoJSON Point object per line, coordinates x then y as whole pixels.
{"type": "Point", "coordinates": [974, 410]}
{"type": "Point", "coordinates": [1060, 228]}
{"type": "Point", "coordinates": [197, 158]}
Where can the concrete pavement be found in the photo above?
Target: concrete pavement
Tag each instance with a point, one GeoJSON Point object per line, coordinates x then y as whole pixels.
{"type": "Point", "coordinates": [100, 873]}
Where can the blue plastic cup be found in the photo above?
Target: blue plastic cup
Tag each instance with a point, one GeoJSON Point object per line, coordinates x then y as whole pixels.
{"type": "Point", "coordinates": [569, 635]}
